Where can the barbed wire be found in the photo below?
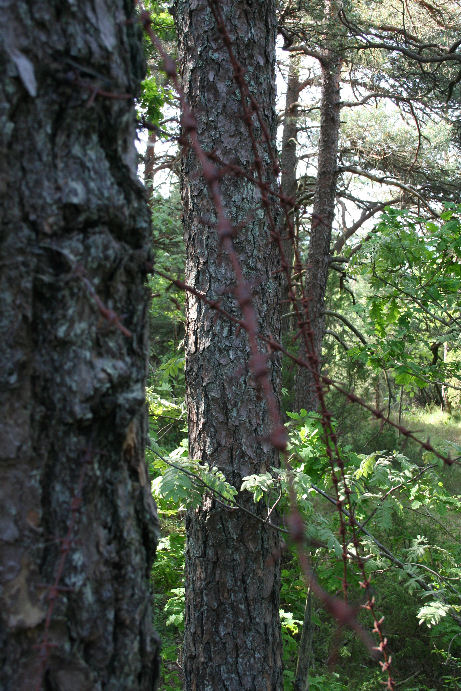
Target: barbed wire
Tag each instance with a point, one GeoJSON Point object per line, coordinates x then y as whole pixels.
{"type": "Point", "coordinates": [213, 170]}
{"type": "Point", "coordinates": [258, 362]}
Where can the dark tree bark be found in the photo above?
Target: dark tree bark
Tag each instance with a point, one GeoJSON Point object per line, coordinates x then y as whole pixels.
{"type": "Point", "coordinates": [232, 638]}
{"type": "Point", "coordinates": [318, 261]}
{"type": "Point", "coordinates": [318, 258]}
{"type": "Point", "coordinates": [74, 246]}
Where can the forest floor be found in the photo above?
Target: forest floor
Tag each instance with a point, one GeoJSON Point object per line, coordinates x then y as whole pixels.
{"type": "Point", "coordinates": [434, 423]}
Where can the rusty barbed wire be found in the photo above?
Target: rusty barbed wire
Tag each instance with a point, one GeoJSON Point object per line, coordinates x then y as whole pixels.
{"type": "Point", "coordinates": [250, 106]}
{"type": "Point", "coordinates": [213, 169]}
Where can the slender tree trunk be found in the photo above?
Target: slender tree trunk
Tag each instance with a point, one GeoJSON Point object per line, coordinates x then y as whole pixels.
{"type": "Point", "coordinates": [232, 630]}
{"type": "Point", "coordinates": [446, 403]}
{"type": "Point", "coordinates": [318, 259]}
{"type": "Point", "coordinates": [400, 408]}
{"type": "Point", "coordinates": [288, 164]}
{"type": "Point", "coordinates": [76, 508]}
{"type": "Point", "coordinates": [149, 165]}
{"type": "Point", "coordinates": [305, 648]}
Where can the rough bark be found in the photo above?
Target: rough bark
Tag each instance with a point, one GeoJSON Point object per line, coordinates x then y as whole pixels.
{"type": "Point", "coordinates": [75, 234]}
{"type": "Point", "coordinates": [232, 637]}
{"type": "Point", "coordinates": [318, 258]}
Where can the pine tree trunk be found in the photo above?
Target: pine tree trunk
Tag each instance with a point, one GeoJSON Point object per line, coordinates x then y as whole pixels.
{"type": "Point", "coordinates": [288, 164]}
{"type": "Point", "coordinates": [317, 266]}
{"type": "Point", "coordinates": [318, 258]}
{"type": "Point", "coordinates": [232, 637]}
{"type": "Point", "coordinates": [149, 165]}
{"type": "Point", "coordinates": [304, 661]}
{"type": "Point", "coordinates": [74, 244]}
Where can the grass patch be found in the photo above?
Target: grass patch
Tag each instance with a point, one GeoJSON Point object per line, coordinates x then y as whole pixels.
{"type": "Point", "coordinates": [434, 423]}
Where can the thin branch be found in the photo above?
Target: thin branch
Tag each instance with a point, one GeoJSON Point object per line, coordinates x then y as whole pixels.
{"type": "Point", "coordinates": [394, 489]}
{"type": "Point", "coordinates": [338, 338]}
{"type": "Point", "coordinates": [347, 323]}
{"type": "Point", "coordinates": [384, 551]}
{"type": "Point", "coordinates": [384, 180]}
{"type": "Point", "coordinates": [365, 216]}
{"type": "Point", "coordinates": [224, 501]}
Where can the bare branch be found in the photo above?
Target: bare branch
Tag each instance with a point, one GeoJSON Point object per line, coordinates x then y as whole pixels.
{"type": "Point", "coordinates": [346, 321]}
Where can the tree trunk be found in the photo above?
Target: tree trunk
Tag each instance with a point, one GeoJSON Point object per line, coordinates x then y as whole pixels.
{"type": "Point", "coordinates": [232, 636]}
{"type": "Point", "coordinates": [288, 164]}
{"type": "Point", "coordinates": [149, 165]}
{"type": "Point", "coordinates": [78, 525]}
{"type": "Point", "coordinates": [446, 403]}
{"type": "Point", "coordinates": [318, 258]}
{"type": "Point", "coordinates": [318, 261]}
{"type": "Point", "coordinates": [305, 648]}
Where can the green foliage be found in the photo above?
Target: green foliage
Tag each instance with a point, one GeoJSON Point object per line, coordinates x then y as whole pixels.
{"type": "Point", "coordinates": [404, 501]}
{"type": "Point", "coordinates": [154, 96]}
{"type": "Point", "coordinates": [432, 613]}
{"type": "Point", "coordinates": [166, 385]}
{"type": "Point", "coordinates": [174, 609]}
{"type": "Point", "coordinates": [412, 269]}
{"type": "Point", "coordinates": [290, 627]}
{"type": "Point", "coordinates": [155, 92]}
{"type": "Point", "coordinates": [406, 284]}
{"type": "Point", "coordinates": [258, 485]}
{"type": "Point", "coordinates": [387, 142]}
{"type": "Point", "coordinates": [166, 312]}
{"type": "Point", "coordinates": [168, 586]}
{"type": "Point", "coordinates": [388, 493]}
{"type": "Point", "coordinates": [184, 484]}
{"type": "Point", "coordinates": [391, 494]}
{"type": "Point", "coordinates": [322, 682]}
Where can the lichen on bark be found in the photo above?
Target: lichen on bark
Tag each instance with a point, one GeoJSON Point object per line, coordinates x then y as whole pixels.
{"type": "Point", "coordinates": [75, 231]}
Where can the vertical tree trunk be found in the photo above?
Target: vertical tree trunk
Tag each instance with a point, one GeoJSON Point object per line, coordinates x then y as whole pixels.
{"type": "Point", "coordinates": [305, 648]}
{"type": "Point", "coordinates": [289, 162]}
{"type": "Point", "coordinates": [232, 637]}
{"type": "Point", "coordinates": [317, 267]}
{"type": "Point", "coordinates": [318, 258]}
{"type": "Point", "coordinates": [76, 506]}
{"type": "Point", "coordinates": [149, 165]}
{"type": "Point", "coordinates": [446, 403]}
{"type": "Point", "coordinates": [316, 281]}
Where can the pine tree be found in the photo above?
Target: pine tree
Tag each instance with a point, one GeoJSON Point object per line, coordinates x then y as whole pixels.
{"type": "Point", "coordinates": [232, 637]}
{"type": "Point", "coordinates": [79, 527]}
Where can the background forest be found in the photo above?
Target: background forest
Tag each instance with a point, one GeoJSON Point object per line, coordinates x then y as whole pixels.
{"type": "Point", "coordinates": [388, 327]}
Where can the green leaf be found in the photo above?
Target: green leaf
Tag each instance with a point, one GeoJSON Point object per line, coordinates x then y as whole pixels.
{"type": "Point", "coordinates": [432, 613]}
{"type": "Point", "coordinates": [258, 485]}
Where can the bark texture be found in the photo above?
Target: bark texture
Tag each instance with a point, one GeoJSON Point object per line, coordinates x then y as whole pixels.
{"type": "Point", "coordinates": [232, 638]}
{"type": "Point", "coordinates": [318, 258]}
{"type": "Point", "coordinates": [74, 231]}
